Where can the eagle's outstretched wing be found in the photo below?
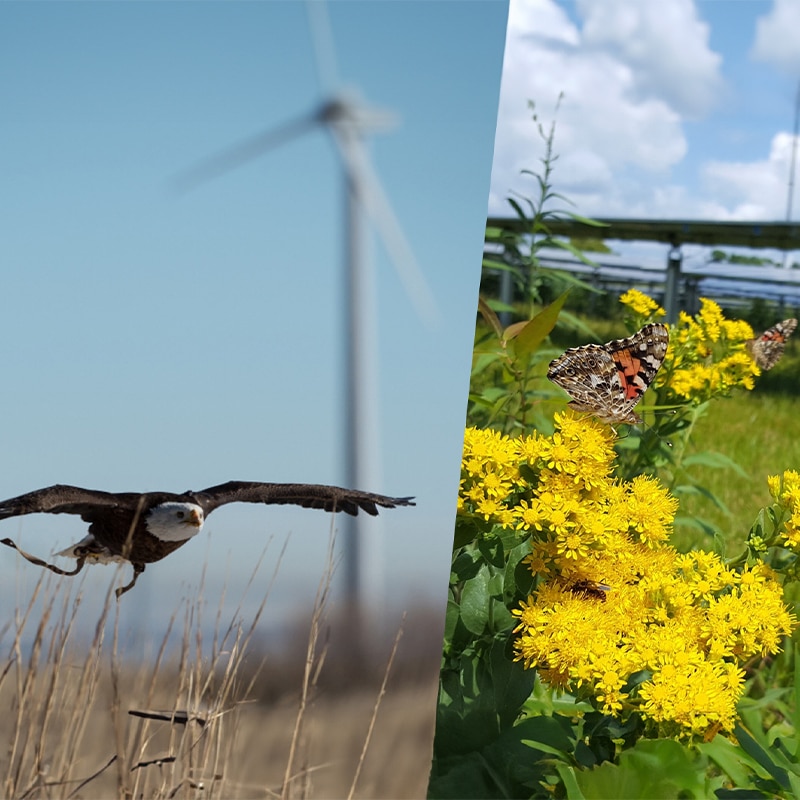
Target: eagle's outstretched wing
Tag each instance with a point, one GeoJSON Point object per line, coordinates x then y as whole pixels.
{"type": "Point", "coordinates": [60, 499]}
{"type": "Point", "coordinates": [329, 498]}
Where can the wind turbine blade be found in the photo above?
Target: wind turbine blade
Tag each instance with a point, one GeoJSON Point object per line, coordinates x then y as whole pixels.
{"type": "Point", "coordinates": [246, 150]}
{"type": "Point", "coordinates": [319, 22]}
{"type": "Point", "coordinates": [377, 205]}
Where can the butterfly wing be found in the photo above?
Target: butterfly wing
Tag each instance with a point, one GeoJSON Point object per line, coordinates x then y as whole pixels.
{"type": "Point", "coordinates": [589, 376]}
{"type": "Point", "coordinates": [767, 349]}
{"type": "Point", "coordinates": [609, 380]}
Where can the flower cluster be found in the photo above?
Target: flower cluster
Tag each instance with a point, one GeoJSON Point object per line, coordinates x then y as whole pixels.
{"type": "Point", "coordinates": [644, 308]}
{"type": "Point", "coordinates": [786, 491]}
{"type": "Point", "coordinates": [617, 614]}
{"type": "Point", "coordinates": [489, 475]}
{"type": "Point", "coordinates": [577, 457]}
{"type": "Point", "coordinates": [707, 353]}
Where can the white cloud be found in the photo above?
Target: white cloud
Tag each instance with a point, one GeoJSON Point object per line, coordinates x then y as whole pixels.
{"type": "Point", "coordinates": [625, 94]}
{"type": "Point", "coordinates": [778, 37]}
{"type": "Point", "coordinates": [665, 45]}
{"type": "Point", "coordinates": [631, 73]}
{"type": "Point", "coordinates": [755, 189]}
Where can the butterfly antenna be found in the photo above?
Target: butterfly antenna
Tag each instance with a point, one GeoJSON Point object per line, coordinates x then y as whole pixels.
{"type": "Point", "coordinates": [652, 429]}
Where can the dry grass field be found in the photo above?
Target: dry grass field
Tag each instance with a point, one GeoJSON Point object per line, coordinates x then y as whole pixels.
{"type": "Point", "coordinates": [223, 717]}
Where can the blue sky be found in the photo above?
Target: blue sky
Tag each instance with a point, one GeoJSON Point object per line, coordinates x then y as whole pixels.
{"type": "Point", "coordinates": [671, 110]}
{"type": "Point", "coordinates": [151, 340]}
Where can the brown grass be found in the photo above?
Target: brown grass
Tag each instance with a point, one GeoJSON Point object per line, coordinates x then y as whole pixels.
{"type": "Point", "coordinates": [223, 718]}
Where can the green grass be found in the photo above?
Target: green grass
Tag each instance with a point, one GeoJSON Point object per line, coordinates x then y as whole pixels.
{"type": "Point", "coordinates": [760, 431]}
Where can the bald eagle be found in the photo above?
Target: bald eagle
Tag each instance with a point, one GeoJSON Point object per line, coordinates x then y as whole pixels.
{"type": "Point", "coordinates": [142, 528]}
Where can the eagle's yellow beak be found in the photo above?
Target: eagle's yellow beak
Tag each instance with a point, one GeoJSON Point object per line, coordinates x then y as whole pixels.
{"type": "Point", "coordinates": [194, 519]}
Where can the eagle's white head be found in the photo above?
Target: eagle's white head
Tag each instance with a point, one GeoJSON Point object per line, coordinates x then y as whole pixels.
{"type": "Point", "coordinates": [174, 522]}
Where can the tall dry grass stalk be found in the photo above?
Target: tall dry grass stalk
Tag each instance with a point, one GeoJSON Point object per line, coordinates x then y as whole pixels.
{"type": "Point", "coordinates": [90, 719]}
{"type": "Point", "coordinates": [375, 709]}
{"type": "Point", "coordinates": [67, 697]}
{"type": "Point", "coordinates": [296, 783]}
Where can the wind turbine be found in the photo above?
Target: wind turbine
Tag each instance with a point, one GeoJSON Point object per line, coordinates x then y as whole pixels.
{"type": "Point", "coordinates": [349, 120]}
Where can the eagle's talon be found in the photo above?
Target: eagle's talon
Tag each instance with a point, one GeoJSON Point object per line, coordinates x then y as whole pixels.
{"type": "Point", "coordinates": [40, 562]}
{"type": "Point", "coordinates": [78, 567]}
{"type": "Point", "coordinates": [138, 569]}
{"type": "Point", "coordinates": [143, 528]}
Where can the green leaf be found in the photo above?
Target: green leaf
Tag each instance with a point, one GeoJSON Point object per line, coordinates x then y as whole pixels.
{"type": "Point", "coordinates": [659, 769]}
{"type": "Point", "coordinates": [696, 522]}
{"type": "Point", "coordinates": [710, 458]}
{"type": "Point", "coordinates": [534, 332]}
{"type": "Point", "coordinates": [575, 252]}
{"type": "Point", "coordinates": [518, 575]}
{"type": "Point", "coordinates": [517, 208]}
{"type": "Point", "coordinates": [690, 488]}
{"type": "Point", "coordinates": [577, 324]}
{"type": "Point", "coordinates": [512, 684]}
{"type": "Point", "coordinates": [451, 620]}
{"type": "Point", "coordinates": [475, 602]}
{"type": "Point", "coordinates": [567, 775]}
{"type": "Point", "coordinates": [766, 523]}
{"type": "Point", "coordinates": [796, 708]}
{"type": "Point", "coordinates": [498, 305]}
{"type": "Point", "coordinates": [488, 314]}
{"type": "Point", "coordinates": [762, 756]}
{"type": "Point", "coordinates": [506, 767]}
{"type": "Point", "coordinates": [594, 223]}
{"type": "Point", "coordinates": [463, 776]}
{"type": "Point", "coordinates": [493, 551]}
{"type": "Point", "coordinates": [500, 266]}
{"type": "Point", "coordinates": [731, 759]}
{"type": "Point", "coordinates": [466, 531]}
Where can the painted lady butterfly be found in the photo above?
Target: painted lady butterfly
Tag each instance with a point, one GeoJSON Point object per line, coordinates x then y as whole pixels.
{"type": "Point", "coordinates": [768, 348]}
{"type": "Point", "coordinates": [608, 380]}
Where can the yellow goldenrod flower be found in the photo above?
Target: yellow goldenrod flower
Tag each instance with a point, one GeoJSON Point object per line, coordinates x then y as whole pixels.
{"type": "Point", "coordinates": [687, 620]}
{"type": "Point", "coordinates": [710, 318]}
{"type": "Point", "coordinates": [641, 304]}
{"type": "Point", "coordinates": [707, 354]}
{"type": "Point", "coordinates": [785, 490]}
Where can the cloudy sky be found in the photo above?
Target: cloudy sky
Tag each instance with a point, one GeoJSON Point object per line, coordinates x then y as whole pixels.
{"type": "Point", "coordinates": [672, 110]}
{"type": "Point", "coordinates": [152, 340]}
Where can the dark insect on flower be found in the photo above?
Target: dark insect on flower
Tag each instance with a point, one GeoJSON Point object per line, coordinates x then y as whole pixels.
{"type": "Point", "coordinates": [590, 589]}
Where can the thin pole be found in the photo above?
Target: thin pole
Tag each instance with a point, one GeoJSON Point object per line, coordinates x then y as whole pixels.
{"type": "Point", "coordinates": [361, 541]}
{"type": "Point", "coordinates": [354, 254]}
{"type": "Point", "coordinates": [793, 161]}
